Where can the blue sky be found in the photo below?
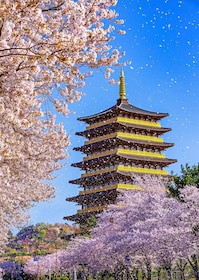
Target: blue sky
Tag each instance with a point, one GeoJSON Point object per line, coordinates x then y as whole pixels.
{"type": "Point", "coordinates": [162, 42]}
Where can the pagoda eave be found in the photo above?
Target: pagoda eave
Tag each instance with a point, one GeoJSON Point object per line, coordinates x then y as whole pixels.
{"type": "Point", "coordinates": [158, 130]}
{"type": "Point", "coordinates": [115, 173]}
{"type": "Point", "coordinates": [122, 140]}
{"type": "Point", "coordinates": [125, 108]}
{"type": "Point", "coordinates": [136, 159]}
{"type": "Point", "coordinates": [95, 194]}
{"type": "Point", "coordinates": [79, 218]}
{"type": "Point", "coordinates": [84, 214]}
{"type": "Point", "coordinates": [99, 179]}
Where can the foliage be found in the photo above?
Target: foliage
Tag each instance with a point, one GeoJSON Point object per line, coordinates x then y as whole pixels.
{"type": "Point", "coordinates": [90, 223]}
{"type": "Point", "coordinates": [28, 241]}
{"type": "Point", "coordinates": [189, 177]}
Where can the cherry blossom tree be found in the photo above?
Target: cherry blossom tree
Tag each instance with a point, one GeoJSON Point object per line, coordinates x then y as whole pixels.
{"type": "Point", "coordinates": [45, 43]}
{"type": "Point", "coordinates": [44, 265]}
{"type": "Point", "coordinates": [132, 222]}
{"type": "Point", "coordinates": [190, 217]}
{"type": "Point", "coordinates": [124, 230]}
{"type": "Point", "coordinates": [47, 49]}
{"type": "Point", "coordinates": [83, 254]}
{"type": "Point", "coordinates": [10, 269]}
{"type": "Point", "coordinates": [29, 156]}
{"type": "Point", "coordinates": [147, 230]}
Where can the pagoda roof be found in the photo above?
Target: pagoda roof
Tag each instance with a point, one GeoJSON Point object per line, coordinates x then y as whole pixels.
{"type": "Point", "coordinates": [117, 156]}
{"type": "Point", "coordinates": [98, 195]}
{"type": "Point", "coordinates": [81, 217]}
{"type": "Point", "coordinates": [123, 140]}
{"type": "Point", "coordinates": [113, 175]}
{"type": "Point", "coordinates": [123, 105]}
{"type": "Point", "coordinates": [102, 178]}
{"type": "Point", "coordinates": [159, 130]}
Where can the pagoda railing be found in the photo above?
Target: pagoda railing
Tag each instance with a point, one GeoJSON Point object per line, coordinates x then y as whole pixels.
{"type": "Point", "coordinates": [127, 169]}
{"type": "Point", "coordinates": [125, 152]}
{"type": "Point", "coordinates": [113, 187]}
{"type": "Point", "coordinates": [124, 120]}
{"type": "Point", "coordinates": [125, 135]}
{"type": "Point", "coordinates": [92, 209]}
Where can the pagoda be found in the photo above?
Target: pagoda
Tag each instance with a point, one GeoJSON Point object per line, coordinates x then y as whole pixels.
{"type": "Point", "coordinates": [121, 141]}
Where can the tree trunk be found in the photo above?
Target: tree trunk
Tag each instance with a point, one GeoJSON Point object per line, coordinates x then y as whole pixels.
{"type": "Point", "coordinates": [149, 271]}
{"type": "Point", "coordinates": [135, 275]}
{"type": "Point", "coordinates": [182, 276]}
{"type": "Point", "coordinates": [159, 271]}
{"type": "Point", "coordinates": [119, 273]}
{"type": "Point", "coordinates": [181, 265]}
{"type": "Point", "coordinates": [143, 275]}
{"type": "Point", "coordinates": [169, 272]}
{"type": "Point", "coordinates": [194, 264]}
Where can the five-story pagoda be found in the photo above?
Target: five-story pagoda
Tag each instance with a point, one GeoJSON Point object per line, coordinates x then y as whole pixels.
{"type": "Point", "coordinates": [121, 141]}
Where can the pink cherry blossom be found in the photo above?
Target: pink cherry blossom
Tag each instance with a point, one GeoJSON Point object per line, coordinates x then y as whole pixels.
{"type": "Point", "coordinates": [47, 49]}
{"type": "Point", "coordinates": [154, 230]}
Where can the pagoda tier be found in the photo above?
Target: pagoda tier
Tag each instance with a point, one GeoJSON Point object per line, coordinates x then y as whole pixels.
{"type": "Point", "coordinates": [82, 216]}
{"type": "Point", "coordinates": [105, 179]}
{"type": "Point", "coordinates": [121, 126]}
{"type": "Point", "coordinates": [95, 178]}
{"type": "Point", "coordinates": [91, 195]}
{"type": "Point", "coordinates": [93, 201]}
{"type": "Point", "coordinates": [121, 141]}
{"type": "Point", "coordinates": [102, 197]}
{"type": "Point", "coordinates": [130, 158]}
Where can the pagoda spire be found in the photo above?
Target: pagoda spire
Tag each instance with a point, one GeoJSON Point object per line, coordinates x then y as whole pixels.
{"type": "Point", "coordinates": [122, 85]}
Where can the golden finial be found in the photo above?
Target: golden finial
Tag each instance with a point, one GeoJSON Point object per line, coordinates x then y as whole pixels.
{"type": "Point", "coordinates": [122, 85]}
